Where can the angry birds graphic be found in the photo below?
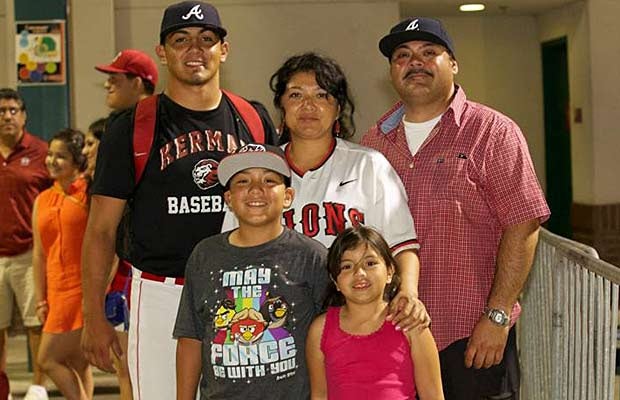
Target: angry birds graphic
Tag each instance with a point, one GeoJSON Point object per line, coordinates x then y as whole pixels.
{"type": "Point", "coordinates": [274, 311]}
{"type": "Point", "coordinates": [224, 314]}
{"type": "Point", "coordinates": [247, 326]}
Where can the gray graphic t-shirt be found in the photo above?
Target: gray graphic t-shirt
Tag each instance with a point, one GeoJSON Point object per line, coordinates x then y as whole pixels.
{"type": "Point", "coordinates": [251, 308]}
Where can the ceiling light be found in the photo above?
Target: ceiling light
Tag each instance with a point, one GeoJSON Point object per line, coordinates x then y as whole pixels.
{"type": "Point", "coordinates": [471, 7]}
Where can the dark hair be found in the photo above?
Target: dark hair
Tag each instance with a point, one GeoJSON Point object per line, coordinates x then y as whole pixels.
{"type": "Point", "coordinates": [74, 140]}
{"type": "Point", "coordinates": [149, 87]}
{"type": "Point", "coordinates": [349, 239]}
{"type": "Point", "coordinates": [12, 94]}
{"type": "Point", "coordinates": [97, 128]}
{"type": "Point", "coordinates": [329, 77]}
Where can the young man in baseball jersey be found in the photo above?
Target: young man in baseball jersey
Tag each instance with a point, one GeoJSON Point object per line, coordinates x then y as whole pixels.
{"type": "Point", "coordinates": [477, 204]}
{"type": "Point", "coordinates": [250, 293]}
{"type": "Point", "coordinates": [176, 203]}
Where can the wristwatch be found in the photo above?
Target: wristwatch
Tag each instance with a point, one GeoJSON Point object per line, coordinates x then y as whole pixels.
{"type": "Point", "coordinates": [497, 316]}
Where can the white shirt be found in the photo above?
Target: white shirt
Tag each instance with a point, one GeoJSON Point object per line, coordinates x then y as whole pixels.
{"type": "Point", "coordinates": [417, 132]}
{"type": "Point", "coordinates": [354, 184]}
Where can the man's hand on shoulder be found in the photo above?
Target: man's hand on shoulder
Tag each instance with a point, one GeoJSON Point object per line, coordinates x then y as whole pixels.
{"type": "Point", "coordinates": [407, 311]}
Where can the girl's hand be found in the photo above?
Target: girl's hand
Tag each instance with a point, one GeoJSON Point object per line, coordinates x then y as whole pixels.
{"type": "Point", "coordinates": [42, 310]}
{"type": "Point", "coordinates": [408, 312]}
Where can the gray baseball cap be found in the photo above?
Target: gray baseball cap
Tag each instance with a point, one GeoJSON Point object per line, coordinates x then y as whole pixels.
{"type": "Point", "coordinates": [253, 156]}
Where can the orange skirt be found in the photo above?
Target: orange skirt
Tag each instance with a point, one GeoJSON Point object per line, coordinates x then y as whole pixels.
{"type": "Point", "coordinates": [65, 313]}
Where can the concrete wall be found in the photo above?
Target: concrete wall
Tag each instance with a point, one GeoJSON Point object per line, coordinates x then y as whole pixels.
{"type": "Point", "coordinates": [87, 94]}
{"type": "Point", "coordinates": [500, 66]}
{"type": "Point", "coordinates": [499, 58]}
{"type": "Point", "coordinates": [593, 53]}
{"type": "Point", "coordinates": [7, 44]}
{"type": "Point", "coordinates": [572, 22]}
{"type": "Point", "coordinates": [262, 36]}
{"type": "Point", "coordinates": [605, 78]}
{"type": "Point", "coordinates": [4, 43]}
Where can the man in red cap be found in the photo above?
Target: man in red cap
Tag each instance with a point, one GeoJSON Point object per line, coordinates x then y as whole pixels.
{"type": "Point", "coordinates": [132, 76]}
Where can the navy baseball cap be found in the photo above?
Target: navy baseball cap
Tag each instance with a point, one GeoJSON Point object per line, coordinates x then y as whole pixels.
{"type": "Point", "coordinates": [415, 28]}
{"type": "Point", "coordinates": [253, 156]}
{"type": "Point", "coordinates": [190, 13]}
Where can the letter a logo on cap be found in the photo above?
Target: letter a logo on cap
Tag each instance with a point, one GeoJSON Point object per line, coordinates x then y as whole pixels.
{"type": "Point", "coordinates": [197, 12]}
{"type": "Point", "coordinates": [413, 26]}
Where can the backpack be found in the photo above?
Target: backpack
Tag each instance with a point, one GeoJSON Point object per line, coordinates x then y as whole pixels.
{"type": "Point", "coordinates": [146, 116]}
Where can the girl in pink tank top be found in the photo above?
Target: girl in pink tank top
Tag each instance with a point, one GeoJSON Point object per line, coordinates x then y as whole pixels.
{"type": "Point", "coordinates": [352, 351]}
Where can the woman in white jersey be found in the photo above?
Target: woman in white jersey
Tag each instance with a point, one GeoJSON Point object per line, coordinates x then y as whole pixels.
{"type": "Point", "coordinates": [339, 183]}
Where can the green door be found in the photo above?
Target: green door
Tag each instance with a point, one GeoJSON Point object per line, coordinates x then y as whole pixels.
{"type": "Point", "coordinates": [557, 136]}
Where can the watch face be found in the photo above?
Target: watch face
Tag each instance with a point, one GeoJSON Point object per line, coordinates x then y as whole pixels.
{"type": "Point", "coordinates": [498, 317]}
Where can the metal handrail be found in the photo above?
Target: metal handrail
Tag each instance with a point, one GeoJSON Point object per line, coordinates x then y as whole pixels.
{"type": "Point", "coordinates": [567, 331]}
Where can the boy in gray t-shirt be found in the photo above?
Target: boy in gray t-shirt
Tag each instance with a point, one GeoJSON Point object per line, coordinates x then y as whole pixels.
{"type": "Point", "coordinates": [250, 294]}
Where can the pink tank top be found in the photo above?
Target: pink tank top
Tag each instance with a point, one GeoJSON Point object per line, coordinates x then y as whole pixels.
{"type": "Point", "coordinates": [376, 366]}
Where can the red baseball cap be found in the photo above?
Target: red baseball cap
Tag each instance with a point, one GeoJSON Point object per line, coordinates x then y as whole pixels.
{"type": "Point", "coordinates": [133, 62]}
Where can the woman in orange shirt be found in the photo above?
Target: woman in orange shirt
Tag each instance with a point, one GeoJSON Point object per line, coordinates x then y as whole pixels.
{"type": "Point", "coordinates": [58, 221]}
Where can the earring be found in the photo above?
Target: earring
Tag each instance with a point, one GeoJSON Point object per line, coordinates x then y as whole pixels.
{"type": "Point", "coordinates": [281, 128]}
{"type": "Point", "coordinates": [337, 128]}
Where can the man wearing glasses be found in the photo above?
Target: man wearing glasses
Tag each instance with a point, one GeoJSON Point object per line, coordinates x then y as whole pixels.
{"type": "Point", "coordinates": [22, 176]}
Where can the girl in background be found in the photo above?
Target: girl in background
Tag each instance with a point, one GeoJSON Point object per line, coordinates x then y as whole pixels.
{"type": "Point", "coordinates": [351, 351]}
{"type": "Point", "coordinates": [58, 225]}
{"type": "Point", "coordinates": [121, 272]}
{"type": "Point", "coordinates": [91, 145]}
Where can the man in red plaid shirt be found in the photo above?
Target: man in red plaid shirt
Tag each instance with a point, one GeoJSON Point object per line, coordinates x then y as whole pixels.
{"type": "Point", "coordinates": [477, 204]}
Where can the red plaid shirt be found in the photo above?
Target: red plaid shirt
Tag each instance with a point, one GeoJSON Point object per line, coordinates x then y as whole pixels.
{"type": "Point", "coordinates": [471, 178]}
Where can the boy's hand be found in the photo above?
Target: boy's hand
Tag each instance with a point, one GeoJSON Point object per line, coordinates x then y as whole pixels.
{"type": "Point", "coordinates": [407, 311]}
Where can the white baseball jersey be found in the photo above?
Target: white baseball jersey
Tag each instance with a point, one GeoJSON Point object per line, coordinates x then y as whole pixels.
{"type": "Point", "coordinates": [354, 185]}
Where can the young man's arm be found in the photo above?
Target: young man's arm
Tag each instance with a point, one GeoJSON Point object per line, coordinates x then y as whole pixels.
{"type": "Point", "coordinates": [514, 261]}
{"type": "Point", "coordinates": [98, 252]}
{"type": "Point", "coordinates": [315, 360]}
{"type": "Point", "coordinates": [189, 367]}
